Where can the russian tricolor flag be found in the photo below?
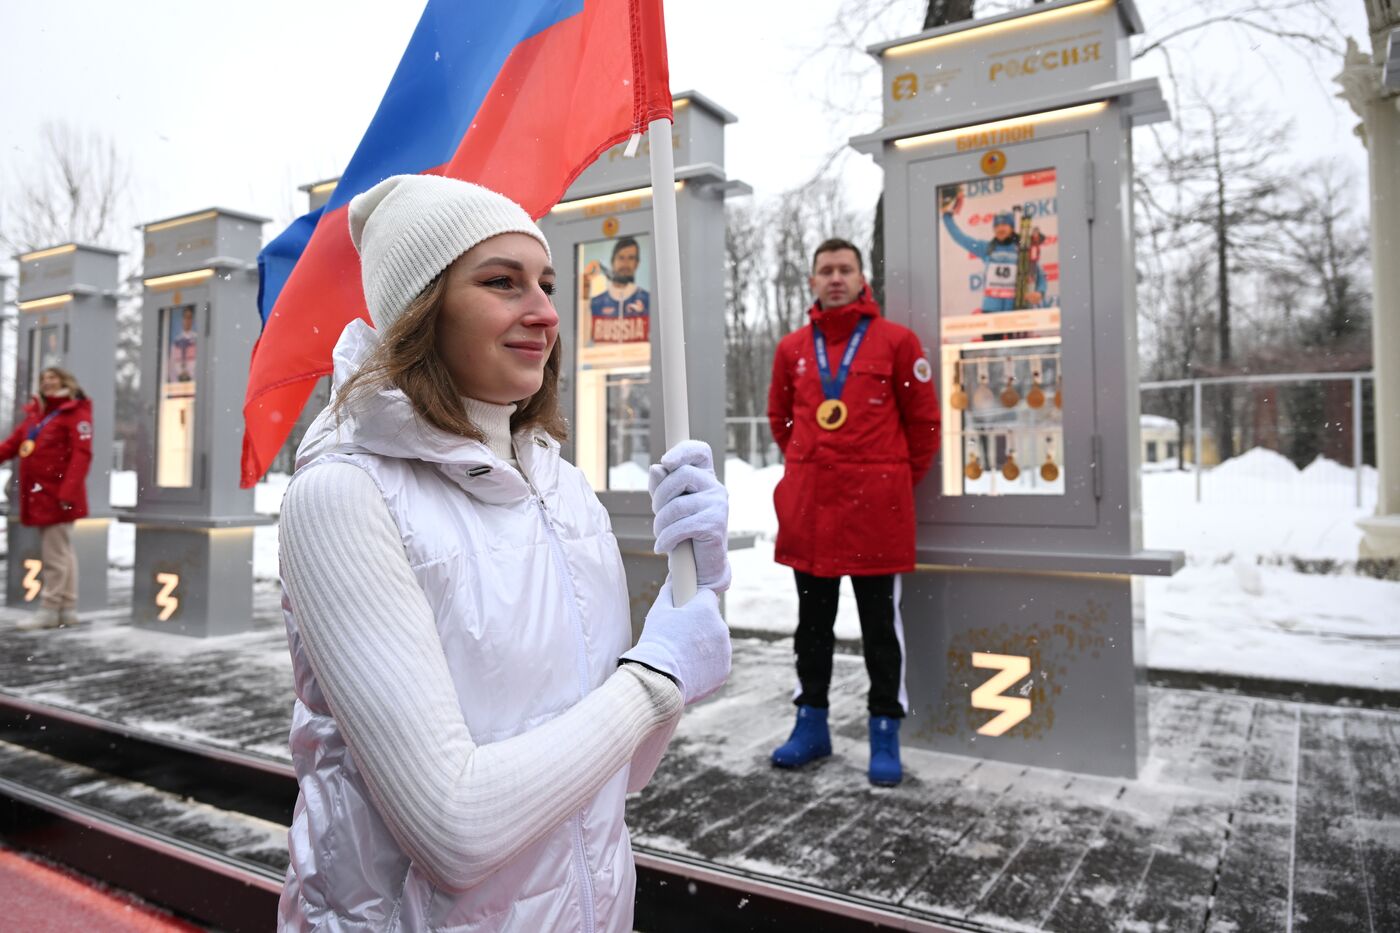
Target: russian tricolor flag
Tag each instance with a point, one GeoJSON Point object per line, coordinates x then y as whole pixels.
{"type": "Point", "coordinates": [517, 95]}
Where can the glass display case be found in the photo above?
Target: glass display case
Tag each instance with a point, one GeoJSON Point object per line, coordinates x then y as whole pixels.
{"type": "Point", "coordinates": [178, 361]}
{"type": "Point", "coordinates": [1003, 392]}
{"type": "Point", "coordinates": [613, 360]}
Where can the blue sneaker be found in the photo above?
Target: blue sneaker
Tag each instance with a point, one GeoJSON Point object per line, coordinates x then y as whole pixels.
{"type": "Point", "coordinates": [809, 741]}
{"type": "Point", "coordinates": [885, 770]}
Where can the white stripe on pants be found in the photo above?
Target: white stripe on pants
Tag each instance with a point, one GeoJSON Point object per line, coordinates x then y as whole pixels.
{"type": "Point", "coordinates": [60, 566]}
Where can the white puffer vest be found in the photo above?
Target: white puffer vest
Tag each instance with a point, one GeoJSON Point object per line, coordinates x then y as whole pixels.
{"type": "Point", "coordinates": [526, 582]}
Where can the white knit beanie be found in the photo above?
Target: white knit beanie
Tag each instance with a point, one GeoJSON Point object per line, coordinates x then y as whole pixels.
{"type": "Point", "coordinates": [408, 228]}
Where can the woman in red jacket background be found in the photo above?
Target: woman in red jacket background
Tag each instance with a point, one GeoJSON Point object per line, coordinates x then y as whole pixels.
{"type": "Point", "coordinates": [54, 446]}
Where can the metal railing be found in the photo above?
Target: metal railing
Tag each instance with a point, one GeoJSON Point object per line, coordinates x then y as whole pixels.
{"type": "Point", "coordinates": [750, 439]}
{"type": "Point", "coordinates": [1198, 416]}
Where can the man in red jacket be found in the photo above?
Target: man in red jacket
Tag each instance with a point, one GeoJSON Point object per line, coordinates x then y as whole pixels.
{"type": "Point", "coordinates": [853, 409]}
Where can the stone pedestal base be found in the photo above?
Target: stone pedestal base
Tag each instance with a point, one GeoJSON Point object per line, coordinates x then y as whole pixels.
{"type": "Point", "coordinates": [1382, 536]}
{"type": "Point", "coordinates": [193, 581]}
{"type": "Point", "coordinates": [24, 566]}
{"type": "Point", "coordinates": [1030, 668]}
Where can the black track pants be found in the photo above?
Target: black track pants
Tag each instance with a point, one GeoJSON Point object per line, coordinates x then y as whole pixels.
{"type": "Point", "coordinates": [816, 639]}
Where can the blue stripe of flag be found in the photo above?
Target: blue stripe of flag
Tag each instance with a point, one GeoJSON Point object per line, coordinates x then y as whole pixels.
{"type": "Point", "coordinates": [456, 52]}
{"type": "Point", "coordinates": [277, 259]}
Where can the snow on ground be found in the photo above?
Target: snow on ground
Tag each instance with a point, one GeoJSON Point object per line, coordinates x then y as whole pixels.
{"type": "Point", "coordinates": [1258, 505]}
{"type": "Point", "coordinates": [1232, 610]}
{"type": "Point", "coordinates": [1238, 607]}
{"type": "Point", "coordinates": [1224, 612]}
{"type": "Point", "coordinates": [1241, 618]}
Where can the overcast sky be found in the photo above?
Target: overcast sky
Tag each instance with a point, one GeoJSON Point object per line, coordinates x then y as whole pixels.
{"type": "Point", "coordinates": [236, 105]}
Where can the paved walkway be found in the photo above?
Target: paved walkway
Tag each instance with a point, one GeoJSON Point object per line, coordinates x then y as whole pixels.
{"type": "Point", "coordinates": [1251, 814]}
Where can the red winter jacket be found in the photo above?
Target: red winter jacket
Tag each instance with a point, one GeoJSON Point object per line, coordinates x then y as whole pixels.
{"type": "Point", "coordinates": [846, 500]}
{"type": "Point", "coordinates": [53, 479]}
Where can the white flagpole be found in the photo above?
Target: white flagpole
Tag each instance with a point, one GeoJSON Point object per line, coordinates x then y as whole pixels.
{"type": "Point", "coordinates": [675, 401]}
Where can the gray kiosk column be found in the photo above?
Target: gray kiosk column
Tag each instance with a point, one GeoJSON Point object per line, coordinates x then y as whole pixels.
{"type": "Point", "coordinates": [603, 243]}
{"type": "Point", "coordinates": [67, 318]}
{"type": "Point", "coordinates": [1009, 249]}
{"type": "Point", "coordinates": [194, 525]}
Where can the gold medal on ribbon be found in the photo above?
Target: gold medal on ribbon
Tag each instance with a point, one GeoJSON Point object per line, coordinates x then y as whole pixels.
{"type": "Point", "coordinates": [831, 414]}
{"type": "Point", "coordinates": [27, 447]}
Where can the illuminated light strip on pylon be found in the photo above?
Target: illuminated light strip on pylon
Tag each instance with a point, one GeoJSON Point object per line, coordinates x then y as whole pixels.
{"type": "Point", "coordinates": [39, 304]}
{"type": "Point", "coordinates": [1036, 20]}
{"type": "Point", "coordinates": [46, 253]}
{"type": "Point", "coordinates": [181, 221]}
{"type": "Point", "coordinates": [161, 282]}
{"type": "Point", "coordinates": [602, 199]}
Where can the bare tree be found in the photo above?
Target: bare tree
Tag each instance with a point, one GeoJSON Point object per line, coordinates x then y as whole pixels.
{"type": "Point", "coordinates": [75, 190]}
{"type": "Point", "coordinates": [768, 260]}
{"type": "Point", "coordinates": [1219, 176]}
{"type": "Point", "coordinates": [1177, 326]}
{"type": "Point", "coordinates": [1321, 287]}
{"type": "Point", "coordinates": [743, 298]}
{"type": "Point", "coordinates": [1325, 254]}
{"type": "Point", "coordinates": [1308, 28]}
{"type": "Point", "coordinates": [943, 12]}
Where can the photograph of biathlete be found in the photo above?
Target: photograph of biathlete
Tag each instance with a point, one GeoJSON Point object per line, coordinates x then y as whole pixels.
{"type": "Point", "coordinates": [471, 712]}
{"type": "Point", "coordinates": [852, 406]}
{"type": "Point", "coordinates": [1013, 279]}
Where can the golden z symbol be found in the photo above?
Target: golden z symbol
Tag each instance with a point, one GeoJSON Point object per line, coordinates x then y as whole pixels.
{"type": "Point", "coordinates": [1011, 710]}
{"type": "Point", "coordinates": [167, 602]}
{"type": "Point", "coordinates": [32, 586]}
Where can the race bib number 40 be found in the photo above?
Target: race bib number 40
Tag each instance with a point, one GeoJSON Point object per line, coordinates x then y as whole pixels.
{"type": "Point", "coordinates": [1001, 280]}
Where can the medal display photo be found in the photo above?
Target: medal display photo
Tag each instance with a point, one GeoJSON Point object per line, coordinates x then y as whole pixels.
{"type": "Point", "coordinates": [999, 276]}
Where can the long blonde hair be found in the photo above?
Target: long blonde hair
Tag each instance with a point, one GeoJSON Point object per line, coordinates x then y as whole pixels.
{"type": "Point", "coordinates": [70, 382]}
{"type": "Point", "coordinates": [407, 358]}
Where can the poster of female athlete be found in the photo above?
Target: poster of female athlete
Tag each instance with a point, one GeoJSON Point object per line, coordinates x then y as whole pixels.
{"type": "Point", "coordinates": [998, 254]}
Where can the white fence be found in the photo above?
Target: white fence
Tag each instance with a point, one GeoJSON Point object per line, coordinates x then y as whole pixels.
{"type": "Point", "coordinates": [1317, 421]}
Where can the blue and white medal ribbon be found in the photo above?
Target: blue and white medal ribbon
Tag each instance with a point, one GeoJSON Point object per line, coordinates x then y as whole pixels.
{"type": "Point", "coordinates": [27, 446]}
{"type": "Point", "coordinates": [831, 414]}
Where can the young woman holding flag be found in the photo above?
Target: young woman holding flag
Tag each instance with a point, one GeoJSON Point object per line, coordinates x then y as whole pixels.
{"type": "Point", "coordinates": [54, 446]}
{"type": "Point", "coordinates": [469, 715]}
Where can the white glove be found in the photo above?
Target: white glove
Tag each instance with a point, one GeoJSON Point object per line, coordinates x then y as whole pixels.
{"type": "Point", "coordinates": [690, 502]}
{"type": "Point", "coordinates": [690, 644]}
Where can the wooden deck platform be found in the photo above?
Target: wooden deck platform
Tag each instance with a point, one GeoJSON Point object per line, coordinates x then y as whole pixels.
{"type": "Point", "coordinates": [1252, 814]}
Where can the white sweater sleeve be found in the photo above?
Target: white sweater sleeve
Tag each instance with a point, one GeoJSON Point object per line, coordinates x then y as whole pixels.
{"type": "Point", "coordinates": [458, 809]}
